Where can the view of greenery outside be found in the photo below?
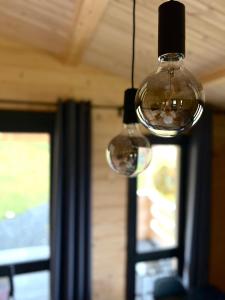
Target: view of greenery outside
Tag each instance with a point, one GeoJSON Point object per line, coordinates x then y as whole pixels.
{"type": "Point", "coordinates": [24, 172]}
{"type": "Point", "coordinates": [162, 171]}
{"type": "Point", "coordinates": [159, 186]}
{"type": "Point", "coordinates": [24, 208]}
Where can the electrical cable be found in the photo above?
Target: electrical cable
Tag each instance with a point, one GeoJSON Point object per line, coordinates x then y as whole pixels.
{"type": "Point", "coordinates": [133, 43]}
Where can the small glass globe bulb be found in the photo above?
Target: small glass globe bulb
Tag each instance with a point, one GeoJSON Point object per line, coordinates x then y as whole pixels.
{"type": "Point", "coordinates": [129, 153]}
{"type": "Point", "coordinates": [170, 101]}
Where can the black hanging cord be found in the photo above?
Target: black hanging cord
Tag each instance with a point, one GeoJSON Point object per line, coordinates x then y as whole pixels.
{"type": "Point", "coordinates": [133, 43]}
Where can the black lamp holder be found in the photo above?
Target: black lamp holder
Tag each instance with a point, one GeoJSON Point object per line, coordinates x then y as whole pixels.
{"type": "Point", "coordinates": [171, 29]}
{"type": "Point", "coordinates": [129, 114]}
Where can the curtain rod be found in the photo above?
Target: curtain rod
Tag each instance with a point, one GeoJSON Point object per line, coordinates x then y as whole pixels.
{"type": "Point", "coordinates": [24, 102]}
{"type": "Point", "coordinates": [109, 107]}
{"type": "Point", "coordinates": [53, 105]}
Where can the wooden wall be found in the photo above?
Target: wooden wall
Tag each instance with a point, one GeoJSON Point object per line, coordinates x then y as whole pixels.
{"type": "Point", "coordinates": [109, 213]}
{"type": "Point", "coordinates": [28, 74]}
{"type": "Point", "coordinates": [109, 191]}
{"type": "Point", "coordinates": [217, 249]}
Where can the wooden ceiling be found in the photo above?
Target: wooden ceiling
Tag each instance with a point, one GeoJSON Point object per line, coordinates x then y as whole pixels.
{"type": "Point", "coordinates": [98, 33]}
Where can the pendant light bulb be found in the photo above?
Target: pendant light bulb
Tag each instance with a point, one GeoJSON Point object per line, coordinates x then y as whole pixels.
{"type": "Point", "coordinates": [129, 153]}
{"type": "Point", "coordinates": [170, 100]}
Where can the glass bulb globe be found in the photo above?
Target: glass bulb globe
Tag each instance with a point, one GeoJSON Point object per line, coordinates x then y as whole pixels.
{"type": "Point", "coordinates": [170, 101]}
{"type": "Point", "coordinates": [129, 153]}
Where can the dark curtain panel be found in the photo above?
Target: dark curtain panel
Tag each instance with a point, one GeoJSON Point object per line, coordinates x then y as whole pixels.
{"type": "Point", "coordinates": [70, 220]}
{"type": "Point", "coordinates": [198, 204]}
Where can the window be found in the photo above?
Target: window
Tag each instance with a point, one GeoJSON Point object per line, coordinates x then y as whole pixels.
{"type": "Point", "coordinates": [32, 286]}
{"type": "Point", "coordinates": [156, 218]}
{"type": "Point", "coordinates": [157, 200]}
{"type": "Point", "coordinates": [147, 272]}
{"type": "Point", "coordinates": [25, 189]}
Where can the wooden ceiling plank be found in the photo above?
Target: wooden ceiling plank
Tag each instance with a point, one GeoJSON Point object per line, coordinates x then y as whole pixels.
{"type": "Point", "coordinates": [214, 76]}
{"type": "Point", "coordinates": [34, 18]}
{"type": "Point", "coordinates": [34, 36]}
{"type": "Point", "coordinates": [205, 43]}
{"type": "Point", "coordinates": [32, 75]}
{"type": "Point", "coordinates": [30, 8]}
{"type": "Point", "coordinates": [90, 14]}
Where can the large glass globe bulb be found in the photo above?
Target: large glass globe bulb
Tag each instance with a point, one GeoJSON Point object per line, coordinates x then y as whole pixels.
{"type": "Point", "coordinates": [129, 153]}
{"type": "Point", "coordinates": [170, 101]}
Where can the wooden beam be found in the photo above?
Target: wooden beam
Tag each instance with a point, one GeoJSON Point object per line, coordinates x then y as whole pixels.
{"type": "Point", "coordinates": [214, 76]}
{"type": "Point", "coordinates": [87, 19]}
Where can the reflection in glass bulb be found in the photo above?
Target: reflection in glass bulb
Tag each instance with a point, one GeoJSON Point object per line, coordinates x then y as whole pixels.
{"type": "Point", "coordinates": [129, 153]}
{"type": "Point", "coordinates": [170, 100]}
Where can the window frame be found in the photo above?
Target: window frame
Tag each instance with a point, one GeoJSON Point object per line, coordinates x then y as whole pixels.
{"type": "Point", "coordinates": [133, 257]}
{"type": "Point", "coordinates": [13, 121]}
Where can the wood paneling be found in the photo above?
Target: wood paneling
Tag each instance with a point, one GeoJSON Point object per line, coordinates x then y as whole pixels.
{"type": "Point", "coordinates": [109, 213]}
{"type": "Point", "coordinates": [110, 48]}
{"type": "Point", "coordinates": [98, 33]}
{"type": "Point", "coordinates": [217, 249]}
{"type": "Point", "coordinates": [44, 24]}
{"type": "Point", "coordinates": [32, 75]}
{"type": "Point", "coordinates": [90, 13]}
{"type": "Point", "coordinates": [60, 27]}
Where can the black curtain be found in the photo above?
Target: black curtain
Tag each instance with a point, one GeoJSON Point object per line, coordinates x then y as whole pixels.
{"type": "Point", "coordinates": [71, 201]}
{"type": "Point", "coordinates": [196, 257]}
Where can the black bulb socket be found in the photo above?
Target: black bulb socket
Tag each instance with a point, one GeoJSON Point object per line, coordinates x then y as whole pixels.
{"type": "Point", "coordinates": [129, 113]}
{"type": "Point", "coordinates": [171, 29]}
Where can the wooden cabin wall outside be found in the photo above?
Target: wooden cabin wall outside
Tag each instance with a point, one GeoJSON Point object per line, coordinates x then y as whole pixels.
{"type": "Point", "coordinates": [217, 247]}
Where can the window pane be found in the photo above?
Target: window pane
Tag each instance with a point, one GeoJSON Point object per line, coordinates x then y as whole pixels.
{"type": "Point", "coordinates": [24, 190]}
{"type": "Point", "coordinates": [4, 288]}
{"type": "Point", "coordinates": [148, 272]}
{"type": "Point", "coordinates": [32, 286]}
{"type": "Point", "coordinates": [157, 193]}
